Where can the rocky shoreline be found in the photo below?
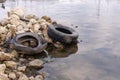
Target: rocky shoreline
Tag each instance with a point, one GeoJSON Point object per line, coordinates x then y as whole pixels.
{"type": "Point", "coordinates": [13, 65]}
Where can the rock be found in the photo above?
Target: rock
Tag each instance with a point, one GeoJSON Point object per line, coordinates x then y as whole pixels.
{"type": "Point", "coordinates": [19, 11]}
{"type": "Point", "coordinates": [58, 45]}
{"type": "Point", "coordinates": [22, 60]}
{"type": "Point", "coordinates": [37, 27]}
{"type": "Point", "coordinates": [31, 78]}
{"type": "Point", "coordinates": [14, 16]}
{"type": "Point", "coordinates": [48, 19]}
{"type": "Point", "coordinates": [11, 64]}
{"type": "Point", "coordinates": [31, 16]}
{"type": "Point", "coordinates": [12, 75]}
{"type": "Point", "coordinates": [3, 30]}
{"type": "Point", "coordinates": [23, 68]}
{"type": "Point", "coordinates": [5, 56]}
{"type": "Point", "coordinates": [39, 77]}
{"type": "Point", "coordinates": [2, 68]}
{"type": "Point", "coordinates": [4, 22]}
{"type": "Point", "coordinates": [36, 63]}
{"type": "Point", "coordinates": [23, 77]}
{"type": "Point", "coordinates": [14, 53]}
{"type": "Point", "coordinates": [3, 77]}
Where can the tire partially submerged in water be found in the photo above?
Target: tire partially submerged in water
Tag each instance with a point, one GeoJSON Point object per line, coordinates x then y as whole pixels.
{"type": "Point", "coordinates": [39, 43]}
{"type": "Point", "coordinates": [62, 34]}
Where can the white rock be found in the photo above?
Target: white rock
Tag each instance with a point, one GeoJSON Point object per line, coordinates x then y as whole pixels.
{"type": "Point", "coordinates": [2, 68]}
{"type": "Point", "coordinates": [11, 64]}
{"type": "Point", "coordinates": [12, 75]}
{"type": "Point", "coordinates": [36, 63]}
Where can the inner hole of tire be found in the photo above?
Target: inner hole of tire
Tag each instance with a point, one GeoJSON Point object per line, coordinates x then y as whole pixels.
{"type": "Point", "coordinates": [28, 41]}
{"type": "Point", "coordinates": [64, 30]}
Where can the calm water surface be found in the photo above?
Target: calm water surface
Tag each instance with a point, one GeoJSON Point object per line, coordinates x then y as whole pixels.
{"type": "Point", "coordinates": [97, 56]}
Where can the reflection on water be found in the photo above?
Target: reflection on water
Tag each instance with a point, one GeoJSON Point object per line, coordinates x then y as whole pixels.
{"type": "Point", "coordinates": [62, 53]}
{"type": "Point", "coordinates": [97, 56]}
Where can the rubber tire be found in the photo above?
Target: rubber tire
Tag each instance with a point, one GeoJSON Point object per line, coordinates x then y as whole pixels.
{"type": "Point", "coordinates": [42, 44]}
{"type": "Point", "coordinates": [64, 37]}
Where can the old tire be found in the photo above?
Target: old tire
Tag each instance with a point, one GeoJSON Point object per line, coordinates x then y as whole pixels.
{"type": "Point", "coordinates": [18, 39]}
{"type": "Point", "coordinates": [62, 34]}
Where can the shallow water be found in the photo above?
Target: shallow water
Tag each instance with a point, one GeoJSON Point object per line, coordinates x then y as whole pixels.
{"type": "Point", "coordinates": [97, 55]}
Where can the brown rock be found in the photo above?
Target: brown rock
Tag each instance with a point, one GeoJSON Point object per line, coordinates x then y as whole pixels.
{"type": "Point", "coordinates": [48, 19]}
{"type": "Point", "coordinates": [2, 68]}
{"type": "Point", "coordinates": [11, 64]}
{"type": "Point", "coordinates": [5, 56]}
{"type": "Point", "coordinates": [14, 53]}
{"type": "Point", "coordinates": [36, 63]}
